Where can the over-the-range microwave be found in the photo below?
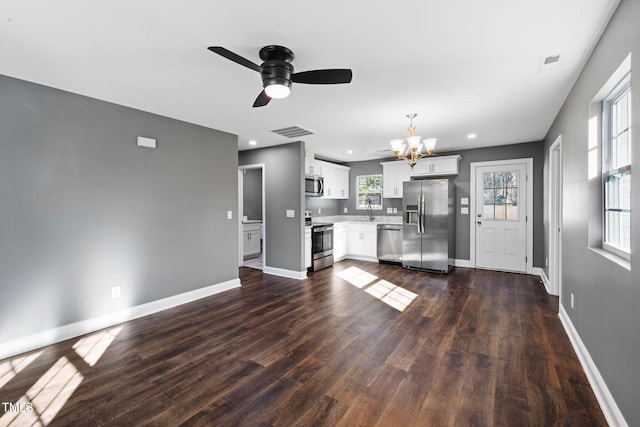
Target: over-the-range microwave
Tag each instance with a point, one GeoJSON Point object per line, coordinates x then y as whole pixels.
{"type": "Point", "coordinates": [313, 185]}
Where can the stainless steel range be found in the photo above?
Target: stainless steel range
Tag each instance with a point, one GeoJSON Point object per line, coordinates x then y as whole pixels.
{"type": "Point", "coordinates": [321, 246]}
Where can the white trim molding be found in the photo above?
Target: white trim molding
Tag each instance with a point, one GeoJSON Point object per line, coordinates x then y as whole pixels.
{"type": "Point", "coordinates": [537, 271]}
{"type": "Point", "coordinates": [462, 263]}
{"type": "Point", "coordinates": [73, 330]}
{"type": "Point", "coordinates": [608, 405]}
{"type": "Point", "coordinates": [291, 274]}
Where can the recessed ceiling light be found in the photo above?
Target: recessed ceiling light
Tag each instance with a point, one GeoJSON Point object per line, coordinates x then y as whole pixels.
{"type": "Point", "coordinates": [471, 136]}
{"type": "Point", "coordinates": [349, 151]}
{"type": "Point", "coordinates": [252, 142]}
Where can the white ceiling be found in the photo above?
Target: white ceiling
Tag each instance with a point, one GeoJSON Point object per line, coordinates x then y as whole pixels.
{"type": "Point", "coordinates": [464, 66]}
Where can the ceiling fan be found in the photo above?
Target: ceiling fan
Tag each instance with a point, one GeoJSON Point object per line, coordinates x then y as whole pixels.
{"type": "Point", "coordinates": [278, 74]}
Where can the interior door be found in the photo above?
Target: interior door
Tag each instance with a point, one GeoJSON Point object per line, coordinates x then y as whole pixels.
{"type": "Point", "coordinates": [501, 217]}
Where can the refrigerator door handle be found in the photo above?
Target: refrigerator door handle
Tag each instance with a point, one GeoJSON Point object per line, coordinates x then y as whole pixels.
{"type": "Point", "coordinates": [419, 214]}
{"type": "Point", "coordinates": [422, 208]}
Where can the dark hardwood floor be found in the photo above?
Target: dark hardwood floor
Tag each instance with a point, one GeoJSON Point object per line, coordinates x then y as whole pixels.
{"type": "Point", "coordinates": [473, 348]}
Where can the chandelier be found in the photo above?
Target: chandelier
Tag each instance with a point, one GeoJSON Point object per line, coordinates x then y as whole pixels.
{"type": "Point", "coordinates": [412, 150]}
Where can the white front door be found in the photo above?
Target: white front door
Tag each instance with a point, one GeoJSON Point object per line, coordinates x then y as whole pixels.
{"type": "Point", "coordinates": [500, 216]}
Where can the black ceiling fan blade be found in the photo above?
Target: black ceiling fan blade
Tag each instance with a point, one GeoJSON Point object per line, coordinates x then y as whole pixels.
{"type": "Point", "coordinates": [261, 100]}
{"type": "Point", "coordinates": [323, 77]}
{"type": "Point", "coordinates": [235, 57]}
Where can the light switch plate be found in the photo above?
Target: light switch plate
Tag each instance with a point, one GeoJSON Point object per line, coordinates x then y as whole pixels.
{"type": "Point", "coordinates": [464, 211]}
{"type": "Point", "coordinates": [389, 210]}
{"type": "Point", "coordinates": [229, 214]}
{"type": "Point", "coordinates": [145, 142]}
{"type": "Point", "coordinates": [291, 213]}
{"type": "Point", "coordinates": [464, 201]}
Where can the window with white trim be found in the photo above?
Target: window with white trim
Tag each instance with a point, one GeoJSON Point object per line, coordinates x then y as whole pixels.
{"type": "Point", "coordinates": [369, 190]}
{"type": "Point", "coordinates": [616, 169]}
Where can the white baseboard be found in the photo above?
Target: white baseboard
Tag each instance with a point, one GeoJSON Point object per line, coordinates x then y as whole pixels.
{"type": "Point", "coordinates": [361, 258]}
{"type": "Point", "coordinates": [537, 271]}
{"type": "Point", "coordinates": [462, 263]}
{"type": "Point", "coordinates": [291, 274]}
{"type": "Point", "coordinates": [72, 330]}
{"type": "Point", "coordinates": [608, 405]}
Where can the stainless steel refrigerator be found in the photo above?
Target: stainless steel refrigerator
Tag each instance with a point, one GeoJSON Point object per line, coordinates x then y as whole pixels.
{"type": "Point", "coordinates": [428, 227]}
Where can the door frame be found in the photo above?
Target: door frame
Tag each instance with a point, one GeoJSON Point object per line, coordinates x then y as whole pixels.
{"type": "Point", "coordinates": [529, 214]}
{"type": "Point", "coordinates": [555, 217]}
{"type": "Point", "coordinates": [241, 170]}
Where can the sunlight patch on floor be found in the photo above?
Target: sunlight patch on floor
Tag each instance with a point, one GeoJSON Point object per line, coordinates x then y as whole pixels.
{"type": "Point", "coordinates": [42, 402]}
{"type": "Point", "coordinates": [357, 277]}
{"type": "Point", "coordinates": [92, 347]}
{"type": "Point", "coordinates": [13, 367]}
{"type": "Point", "coordinates": [393, 295]}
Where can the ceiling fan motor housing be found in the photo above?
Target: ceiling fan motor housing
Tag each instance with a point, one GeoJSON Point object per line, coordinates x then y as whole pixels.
{"type": "Point", "coordinates": [277, 67]}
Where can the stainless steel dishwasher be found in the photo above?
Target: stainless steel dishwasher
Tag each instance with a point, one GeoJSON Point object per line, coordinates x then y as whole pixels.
{"type": "Point", "coordinates": [390, 243]}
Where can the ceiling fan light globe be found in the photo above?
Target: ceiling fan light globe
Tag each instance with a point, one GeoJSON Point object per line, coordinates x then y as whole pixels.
{"type": "Point", "coordinates": [277, 91]}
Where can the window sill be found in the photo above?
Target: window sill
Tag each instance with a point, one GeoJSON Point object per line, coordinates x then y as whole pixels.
{"type": "Point", "coordinates": [613, 258]}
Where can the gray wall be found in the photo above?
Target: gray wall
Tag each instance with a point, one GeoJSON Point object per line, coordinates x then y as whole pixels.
{"type": "Point", "coordinates": [607, 296]}
{"type": "Point", "coordinates": [83, 209]}
{"type": "Point", "coordinates": [322, 207]}
{"type": "Point", "coordinates": [252, 194]}
{"type": "Point", "coordinates": [284, 178]}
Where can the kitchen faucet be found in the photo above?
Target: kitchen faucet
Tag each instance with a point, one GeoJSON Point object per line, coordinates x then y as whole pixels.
{"type": "Point", "coordinates": [370, 210]}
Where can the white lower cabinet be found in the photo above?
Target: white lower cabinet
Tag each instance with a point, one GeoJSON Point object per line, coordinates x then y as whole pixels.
{"type": "Point", "coordinates": [251, 234]}
{"type": "Point", "coordinates": [307, 247]}
{"type": "Point", "coordinates": [339, 241]}
{"type": "Point", "coordinates": [362, 240]}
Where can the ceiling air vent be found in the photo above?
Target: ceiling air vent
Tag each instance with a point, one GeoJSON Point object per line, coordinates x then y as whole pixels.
{"type": "Point", "coordinates": [292, 132]}
{"type": "Point", "coordinates": [548, 63]}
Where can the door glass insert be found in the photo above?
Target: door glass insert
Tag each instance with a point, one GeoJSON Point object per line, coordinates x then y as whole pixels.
{"type": "Point", "coordinates": [501, 195]}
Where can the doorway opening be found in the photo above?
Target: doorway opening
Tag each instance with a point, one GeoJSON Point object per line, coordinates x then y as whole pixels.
{"type": "Point", "coordinates": [501, 223]}
{"type": "Point", "coordinates": [251, 210]}
{"type": "Point", "coordinates": [555, 217]}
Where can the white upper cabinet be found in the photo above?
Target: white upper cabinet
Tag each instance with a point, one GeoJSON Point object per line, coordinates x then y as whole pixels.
{"type": "Point", "coordinates": [437, 166]}
{"type": "Point", "coordinates": [336, 180]}
{"type": "Point", "coordinates": [312, 167]}
{"type": "Point", "coordinates": [393, 175]}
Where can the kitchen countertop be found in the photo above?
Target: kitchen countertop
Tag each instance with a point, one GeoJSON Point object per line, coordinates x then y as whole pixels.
{"type": "Point", "coordinates": [381, 219]}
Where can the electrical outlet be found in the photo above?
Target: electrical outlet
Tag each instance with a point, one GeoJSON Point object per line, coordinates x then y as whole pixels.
{"type": "Point", "coordinates": [319, 211]}
{"type": "Point", "coordinates": [546, 262]}
{"type": "Point", "coordinates": [345, 210]}
{"type": "Point", "coordinates": [572, 300]}
{"type": "Point", "coordinates": [115, 292]}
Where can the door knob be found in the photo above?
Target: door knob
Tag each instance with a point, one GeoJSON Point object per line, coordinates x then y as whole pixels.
{"type": "Point", "coordinates": [479, 222]}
